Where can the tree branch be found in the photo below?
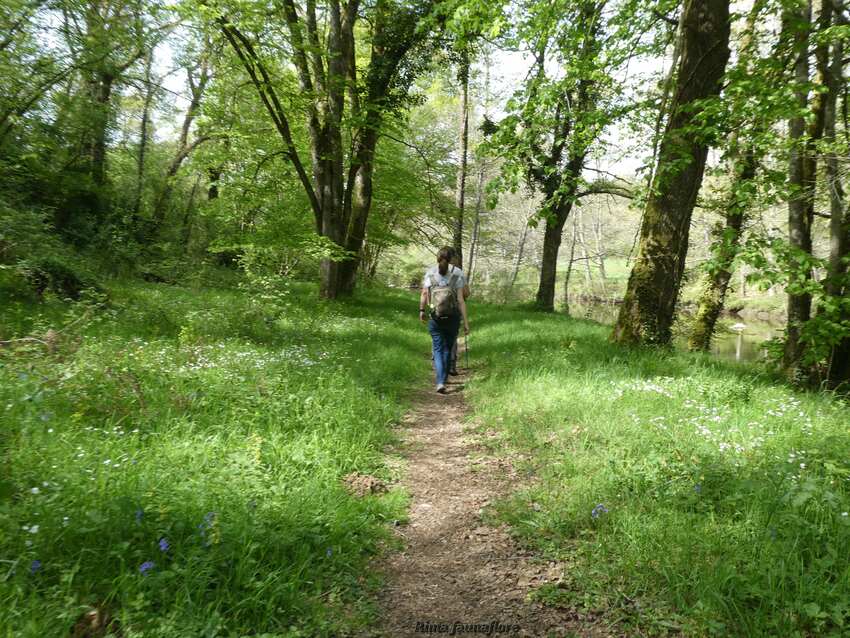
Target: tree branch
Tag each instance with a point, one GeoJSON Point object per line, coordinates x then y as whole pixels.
{"type": "Point", "coordinates": [246, 54]}
{"type": "Point", "coordinates": [606, 187]}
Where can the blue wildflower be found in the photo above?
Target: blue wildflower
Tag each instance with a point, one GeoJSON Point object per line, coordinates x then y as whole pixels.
{"type": "Point", "coordinates": [329, 552]}
{"type": "Point", "coordinates": [205, 526]}
{"type": "Point", "coordinates": [145, 567]}
{"type": "Point", "coordinates": [598, 510]}
{"type": "Point", "coordinates": [163, 545]}
{"type": "Point", "coordinates": [139, 514]}
{"type": "Point", "coordinates": [35, 566]}
{"type": "Point", "coordinates": [698, 488]}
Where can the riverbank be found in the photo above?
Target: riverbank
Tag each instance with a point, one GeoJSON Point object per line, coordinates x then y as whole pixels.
{"type": "Point", "coordinates": [687, 495]}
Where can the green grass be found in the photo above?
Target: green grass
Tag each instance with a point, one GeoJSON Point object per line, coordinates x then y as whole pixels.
{"type": "Point", "coordinates": [222, 421]}
{"type": "Point", "coordinates": [720, 495]}
{"type": "Point", "coordinates": [219, 420]}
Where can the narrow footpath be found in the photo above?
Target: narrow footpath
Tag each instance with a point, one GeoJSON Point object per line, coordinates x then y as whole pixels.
{"type": "Point", "coordinates": [454, 570]}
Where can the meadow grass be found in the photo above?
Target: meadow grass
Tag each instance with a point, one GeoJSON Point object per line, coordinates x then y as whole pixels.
{"type": "Point", "coordinates": [685, 495]}
{"type": "Point", "coordinates": [177, 459]}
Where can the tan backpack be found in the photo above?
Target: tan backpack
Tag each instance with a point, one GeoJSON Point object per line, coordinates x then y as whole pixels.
{"type": "Point", "coordinates": [444, 301]}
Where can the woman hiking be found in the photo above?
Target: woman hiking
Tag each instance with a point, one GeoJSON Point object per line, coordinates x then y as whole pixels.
{"type": "Point", "coordinates": [442, 304]}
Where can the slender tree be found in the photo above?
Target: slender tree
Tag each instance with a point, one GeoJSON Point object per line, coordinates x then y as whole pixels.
{"type": "Point", "coordinates": [463, 152]}
{"type": "Point", "coordinates": [802, 174]}
{"type": "Point", "coordinates": [836, 285]}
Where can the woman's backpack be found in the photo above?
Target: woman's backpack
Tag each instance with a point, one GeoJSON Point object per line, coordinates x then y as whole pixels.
{"type": "Point", "coordinates": [444, 302]}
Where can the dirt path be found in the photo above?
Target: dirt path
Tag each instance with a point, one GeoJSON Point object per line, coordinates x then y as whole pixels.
{"type": "Point", "coordinates": [454, 568]}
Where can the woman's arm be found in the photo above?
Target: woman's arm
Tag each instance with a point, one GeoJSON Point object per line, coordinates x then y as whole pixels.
{"type": "Point", "coordinates": [423, 304]}
{"type": "Point", "coordinates": [462, 303]}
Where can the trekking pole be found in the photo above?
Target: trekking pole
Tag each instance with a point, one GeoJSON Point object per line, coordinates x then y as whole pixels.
{"type": "Point", "coordinates": [466, 350]}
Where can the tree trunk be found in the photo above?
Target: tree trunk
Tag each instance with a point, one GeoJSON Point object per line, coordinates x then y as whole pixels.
{"type": "Point", "coordinates": [100, 97]}
{"type": "Point", "coordinates": [188, 215]}
{"type": "Point", "coordinates": [725, 249]}
{"type": "Point", "coordinates": [101, 93]}
{"type": "Point", "coordinates": [585, 255]}
{"type": "Point", "coordinates": [361, 204]}
{"type": "Point", "coordinates": [569, 272]}
{"type": "Point", "coordinates": [727, 239]}
{"type": "Point", "coordinates": [649, 304]}
{"type": "Point", "coordinates": [184, 148]}
{"type": "Point", "coordinates": [600, 253]}
{"type": "Point", "coordinates": [214, 174]}
{"type": "Point", "coordinates": [463, 145]}
{"type": "Point", "coordinates": [144, 136]}
{"type": "Point", "coordinates": [549, 259]}
{"type": "Point", "coordinates": [518, 260]}
{"type": "Point", "coordinates": [476, 224]}
{"type": "Point", "coordinates": [838, 372]}
{"type": "Point", "coordinates": [802, 175]}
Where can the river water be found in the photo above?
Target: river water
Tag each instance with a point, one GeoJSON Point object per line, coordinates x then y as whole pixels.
{"type": "Point", "coordinates": [736, 339]}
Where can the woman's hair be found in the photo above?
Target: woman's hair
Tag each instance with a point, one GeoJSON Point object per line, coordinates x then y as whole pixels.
{"type": "Point", "coordinates": [444, 256]}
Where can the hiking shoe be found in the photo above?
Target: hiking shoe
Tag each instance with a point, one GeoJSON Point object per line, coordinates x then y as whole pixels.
{"type": "Point", "coordinates": [453, 372]}
{"type": "Point", "coordinates": [441, 388]}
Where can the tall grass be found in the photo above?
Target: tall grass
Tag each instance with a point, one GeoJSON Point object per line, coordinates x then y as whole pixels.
{"type": "Point", "coordinates": [684, 494]}
{"type": "Point", "coordinates": [179, 465]}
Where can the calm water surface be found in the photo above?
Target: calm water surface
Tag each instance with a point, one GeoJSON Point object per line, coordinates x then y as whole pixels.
{"type": "Point", "coordinates": [743, 344]}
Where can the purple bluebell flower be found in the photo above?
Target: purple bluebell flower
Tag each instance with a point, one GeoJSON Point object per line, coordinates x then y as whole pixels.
{"type": "Point", "coordinates": [139, 514]}
{"type": "Point", "coordinates": [698, 488]}
{"type": "Point", "coordinates": [163, 545]}
{"type": "Point", "coordinates": [35, 566]}
{"type": "Point", "coordinates": [329, 552]}
{"type": "Point", "coordinates": [145, 567]}
{"type": "Point", "coordinates": [599, 510]}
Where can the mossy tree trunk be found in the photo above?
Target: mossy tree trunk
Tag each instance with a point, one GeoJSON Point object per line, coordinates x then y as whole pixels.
{"type": "Point", "coordinates": [649, 304]}
{"type": "Point", "coordinates": [726, 243]}
{"type": "Point", "coordinates": [727, 237]}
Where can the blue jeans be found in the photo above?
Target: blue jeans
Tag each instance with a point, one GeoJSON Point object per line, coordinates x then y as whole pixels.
{"type": "Point", "coordinates": [443, 337]}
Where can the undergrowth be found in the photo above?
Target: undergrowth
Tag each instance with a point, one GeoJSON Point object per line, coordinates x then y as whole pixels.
{"type": "Point", "coordinates": [173, 460]}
